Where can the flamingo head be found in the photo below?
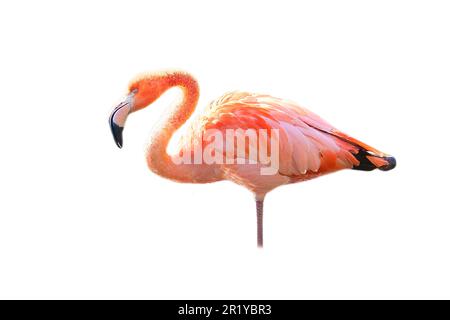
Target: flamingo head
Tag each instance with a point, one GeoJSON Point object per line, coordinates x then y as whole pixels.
{"type": "Point", "coordinates": [141, 93]}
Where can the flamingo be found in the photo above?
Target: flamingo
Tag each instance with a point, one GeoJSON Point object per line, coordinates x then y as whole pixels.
{"type": "Point", "coordinates": [308, 147]}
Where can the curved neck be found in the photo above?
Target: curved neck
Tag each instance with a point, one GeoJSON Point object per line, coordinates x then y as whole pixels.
{"type": "Point", "coordinates": [158, 160]}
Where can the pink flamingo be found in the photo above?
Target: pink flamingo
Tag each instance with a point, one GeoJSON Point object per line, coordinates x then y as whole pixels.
{"type": "Point", "coordinates": [308, 147]}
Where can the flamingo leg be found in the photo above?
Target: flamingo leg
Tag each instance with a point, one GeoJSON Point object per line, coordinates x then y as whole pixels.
{"type": "Point", "coordinates": [259, 222]}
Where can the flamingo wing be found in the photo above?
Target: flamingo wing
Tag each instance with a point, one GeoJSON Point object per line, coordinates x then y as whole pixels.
{"type": "Point", "coordinates": [307, 142]}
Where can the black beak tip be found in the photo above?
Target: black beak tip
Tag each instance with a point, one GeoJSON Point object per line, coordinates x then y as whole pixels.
{"type": "Point", "coordinates": [117, 134]}
{"type": "Point", "coordinates": [391, 164]}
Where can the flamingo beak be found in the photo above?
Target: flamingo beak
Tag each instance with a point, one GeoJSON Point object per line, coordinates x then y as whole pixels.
{"type": "Point", "coordinates": [119, 116]}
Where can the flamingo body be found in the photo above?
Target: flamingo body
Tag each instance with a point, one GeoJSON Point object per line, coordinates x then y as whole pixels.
{"type": "Point", "coordinates": [309, 146]}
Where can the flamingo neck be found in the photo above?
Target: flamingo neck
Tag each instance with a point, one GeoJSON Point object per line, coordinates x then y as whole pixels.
{"type": "Point", "coordinates": [158, 160]}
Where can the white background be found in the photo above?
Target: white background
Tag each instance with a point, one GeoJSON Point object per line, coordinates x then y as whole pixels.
{"type": "Point", "coordinates": [80, 218]}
